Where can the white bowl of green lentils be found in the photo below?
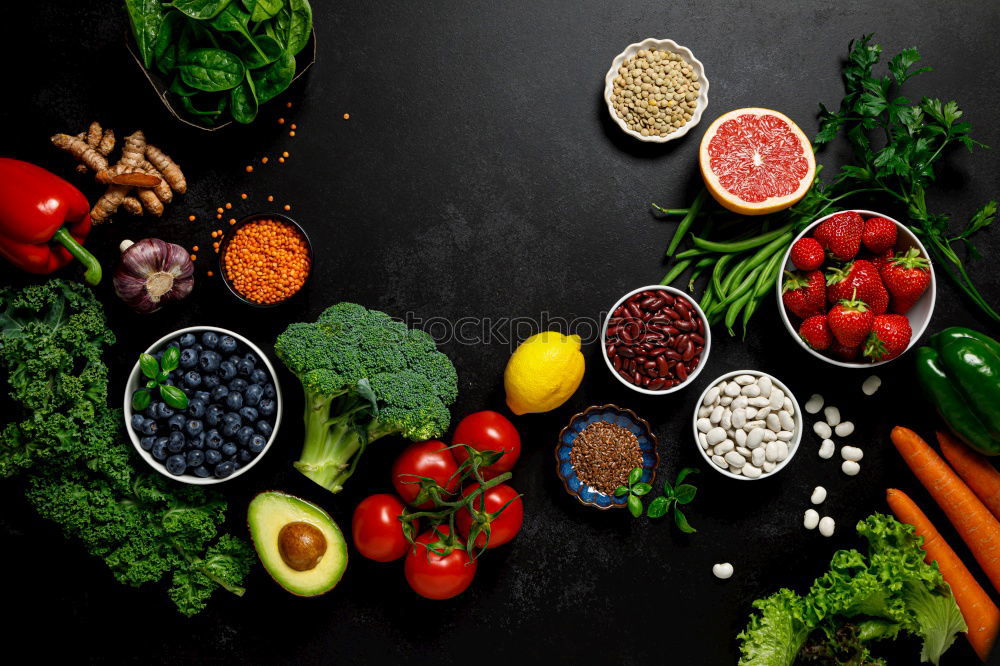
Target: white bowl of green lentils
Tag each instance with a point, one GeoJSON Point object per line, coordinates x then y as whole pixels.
{"type": "Point", "coordinates": [656, 90]}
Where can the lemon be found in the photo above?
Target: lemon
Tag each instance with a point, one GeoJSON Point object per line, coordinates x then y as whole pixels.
{"type": "Point", "coordinates": [543, 372]}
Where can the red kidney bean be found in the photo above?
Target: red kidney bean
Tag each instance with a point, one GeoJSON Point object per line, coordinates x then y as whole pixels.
{"type": "Point", "coordinates": [657, 351]}
{"type": "Point", "coordinates": [656, 384]}
{"type": "Point", "coordinates": [672, 314]}
{"type": "Point", "coordinates": [617, 362]}
{"type": "Point", "coordinates": [671, 354]}
{"type": "Point", "coordinates": [688, 352]}
{"type": "Point", "coordinates": [683, 325]}
{"type": "Point", "coordinates": [634, 309]}
{"type": "Point", "coordinates": [625, 375]}
{"type": "Point", "coordinates": [698, 340]}
{"type": "Point", "coordinates": [648, 302]}
{"type": "Point", "coordinates": [626, 352]}
{"type": "Point", "coordinates": [681, 371]}
{"type": "Point", "coordinates": [661, 365]}
{"type": "Point", "coordinates": [667, 298]}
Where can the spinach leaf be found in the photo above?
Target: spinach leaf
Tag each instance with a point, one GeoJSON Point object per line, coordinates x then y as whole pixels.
{"type": "Point", "coordinates": [299, 27]}
{"type": "Point", "coordinates": [272, 80]}
{"type": "Point", "coordinates": [261, 10]}
{"type": "Point", "coordinates": [211, 70]}
{"type": "Point", "coordinates": [243, 101]}
{"type": "Point", "coordinates": [263, 51]}
{"type": "Point", "coordinates": [200, 9]}
{"type": "Point", "coordinates": [178, 87]}
{"type": "Point", "coordinates": [188, 104]}
{"type": "Point", "coordinates": [146, 16]}
{"type": "Point", "coordinates": [165, 48]}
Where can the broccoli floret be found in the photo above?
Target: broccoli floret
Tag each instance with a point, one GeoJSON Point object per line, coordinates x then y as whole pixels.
{"type": "Point", "coordinates": [364, 376]}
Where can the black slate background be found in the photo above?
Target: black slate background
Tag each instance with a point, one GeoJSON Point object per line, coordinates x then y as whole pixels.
{"type": "Point", "coordinates": [479, 176]}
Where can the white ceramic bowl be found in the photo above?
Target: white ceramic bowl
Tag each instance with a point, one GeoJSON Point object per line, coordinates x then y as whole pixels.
{"type": "Point", "coordinates": [134, 381]}
{"type": "Point", "coordinates": [704, 352]}
{"type": "Point", "coordinates": [662, 45]}
{"type": "Point", "coordinates": [919, 315]}
{"type": "Point", "coordinates": [793, 444]}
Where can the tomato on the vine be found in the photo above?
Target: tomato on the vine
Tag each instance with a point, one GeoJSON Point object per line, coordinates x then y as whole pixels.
{"type": "Point", "coordinates": [375, 527]}
{"type": "Point", "coordinates": [431, 459]}
{"type": "Point", "coordinates": [433, 576]}
{"type": "Point", "coordinates": [488, 431]}
{"type": "Point", "coordinates": [504, 527]}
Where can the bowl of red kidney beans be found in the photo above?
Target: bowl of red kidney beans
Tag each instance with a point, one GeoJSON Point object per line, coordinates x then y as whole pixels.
{"type": "Point", "coordinates": [656, 340]}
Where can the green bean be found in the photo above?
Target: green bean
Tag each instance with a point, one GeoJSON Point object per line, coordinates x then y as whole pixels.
{"type": "Point", "coordinates": [734, 310]}
{"type": "Point", "coordinates": [739, 246]}
{"type": "Point", "coordinates": [766, 278]}
{"type": "Point", "coordinates": [707, 298]}
{"type": "Point", "coordinates": [685, 224]}
{"type": "Point", "coordinates": [676, 271]}
{"type": "Point", "coordinates": [720, 266]}
{"type": "Point", "coordinates": [745, 286]}
{"type": "Point", "coordinates": [748, 311]}
{"type": "Point", "coordinates": [689, 254]}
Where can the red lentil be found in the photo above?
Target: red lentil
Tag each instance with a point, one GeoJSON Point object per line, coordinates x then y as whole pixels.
{"type": "Point", "coordinates": [191, 218]}
{"type": "Point", "coordinates": [243, 196]}
{"type": "Point", "coordinates": [346, 116]}
{"type": "Point", "coordinates": [249, 168]}
{"type": "Point", "coordinates": [266, 261]}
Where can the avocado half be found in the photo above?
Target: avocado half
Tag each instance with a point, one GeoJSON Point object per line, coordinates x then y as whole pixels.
{"type": "Point", "coordinates": [298, 543]}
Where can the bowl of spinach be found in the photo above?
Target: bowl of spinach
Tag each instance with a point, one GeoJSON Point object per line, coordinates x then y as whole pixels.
{"type": "Point", "coordinates": [215, 61]}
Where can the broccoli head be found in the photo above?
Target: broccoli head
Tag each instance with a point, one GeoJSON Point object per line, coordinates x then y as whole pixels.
{"type": "Point", "coordinates": [364, 376]}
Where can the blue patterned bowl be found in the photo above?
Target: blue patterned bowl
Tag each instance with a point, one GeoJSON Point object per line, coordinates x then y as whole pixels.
{"type": "Point", "coordinates": [614, 414]}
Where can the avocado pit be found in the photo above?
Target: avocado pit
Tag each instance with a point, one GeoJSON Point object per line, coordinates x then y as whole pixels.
{"type": "Point", "coordinates": [301, 545]}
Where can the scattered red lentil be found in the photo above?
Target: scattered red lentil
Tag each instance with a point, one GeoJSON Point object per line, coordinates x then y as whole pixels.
{"type": "Point", "coordinates": [213, 234]}
{"type": "Point", "coordinates": [229, 206]}
{"type": "Point", "coordinates": [194, 248]}
{"type": "Point", "coordinates": [194, 257]}
{"type": "Point", "coordinates": [249, 168]}
{"type": "Point", "coordinates": [281, 159]}
{"type": "Point", "coordinates": [346, 116]}
{"type": "Point", "coordinates": [218, 210]}
{"type": "Point", "coordinates": [292, 133]}
{"type": "Point", "coordinates": [288, 105]}
{"type": "Point", "coordinates": [284, 154]}
{"type": "Point", "coordinates": [281, 121]}
{"type": "Point", "coordinates": [243, 196]}
{"type": "Point", "coordinates": [293, 126]}
{"type": "Point", "coordinates": [191, 218]}
{"type": "Point", "coordinates": [287, 207]}
{"type": "Point", "coordinates": [270, 197]}
{"type": "Point", "coordinates": [263, 160]}
{"type": "Point", "coordinates": [209, 273]}
{"type": "Point", "coordinates": [232, 222]}
{"type": "Point", "coordinates": [267, 261]}
{"type": "Point", "coordinates": [218, 216]}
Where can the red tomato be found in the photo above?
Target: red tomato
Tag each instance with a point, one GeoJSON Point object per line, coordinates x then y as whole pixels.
{"type": "Point", "coordinates": [435, 577]}
{"type": "Point", "coordinates": [488, 431]}
{"type": "Point", "coordinates": [377, 532]}
{"type": "Point", "coordinates": [504, 527]}
{"type": "Point", "coordinates": [429, 459]}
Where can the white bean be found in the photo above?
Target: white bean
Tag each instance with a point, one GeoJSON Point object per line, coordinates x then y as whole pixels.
{"type": "Point", "coordinates": [788, 406]}
{"type": "Point", "coordinates": [727, 419]}
{"type": "Point", "coordinates": [722, 448]}
{"type": "Point", "coordinates": [822, 429]}
{"type": "Point", "coordinates": [751, 413]}
{"type": "Point", "coordinates": [827, 449]}
{"type": "Point", "coordinates": [720, 461]}
{"type": "Point", "coordinates": [739, 418]}
{"type": "Point", "coordinates": [741, 437]}
{"type": "Point", "coordinates": [711, 396]}
{"type": "Point", "coordinates": [755, 438]}
{"type": "Point", "coordinates": [871, 385]}
{"type": "Point", "coordinates": [735, 460]}
{"type": "Point", "coordinates": [827, 526]}
{"type": "Point", "coordinates": [819, 495]}
{"type": "Point", "coordinates": [773, 422]}
{"type": "Point", "coordinates": [716, 414]}
{"type": "Point", "coordinates": [745, 380]}
{"type": "Point", "coordinates": [750, 425]}
{"type": "Point", "coordinates": [723, 570]}
{"type": "Point", "coordinates": [751, 391]}
{"type": "Point", "coordinates": [785, 435]}
{"type": "Point", "coordinates": [757, 457]}
{"type": "Point", "coordinates": [704, 425]}
{"type": "Point", "coordinates": [704, 411]}
{"type": "Point", "coordinates": [814, 404]}
{"type": "Point", "coordinates": [744, 451]}
{"type": "Point", "coordinates": [832, 415]}
{"type": "Point", "coordinates": [758, 402]}
{"type": "Point", "coordinates": [786, 420]}
{"type": "Point", "coordinates": [732, 389]}
{"type": "Point", "coordinates": [844, 429]}
{"type": "Point", "coordinates": [763, 412]}
{"type": "Point", "coordinates": [852, 453]}
{"type": "Point", "coordinates": [750, 471]}
{"type": "Point", "coordinates": [850, 468]}
{"type": "Point", "coordinates": [770, 435]}
{"type": "Point", "coordinates": [715, 435]}
{"type": "Point", "coordinates": [771, 452]}
{"type": "Point", "coordinates": [777, 398]}
{"type": "Point", "coordinates": [782, 451]}
{"type": "Point", "coordinates": [739, 403]}
{"type": "Point", "coordinates": [769, 466]}
{"type": "Point", "coordinates": [703, 440]}
{"type": "Point", "coordinates": [764, 384]}
{"type": "Point", "coordinates": [811, 519]}
{"type": "Point", "coordinates": [725, 401]}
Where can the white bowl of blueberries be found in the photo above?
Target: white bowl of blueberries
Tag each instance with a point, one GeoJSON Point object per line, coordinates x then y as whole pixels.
{"type": "Point", "coordinates": [233, 409]}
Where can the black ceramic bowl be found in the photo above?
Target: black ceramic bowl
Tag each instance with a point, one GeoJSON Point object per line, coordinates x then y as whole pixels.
{"type": "Point", "coordinates": [231, 233]}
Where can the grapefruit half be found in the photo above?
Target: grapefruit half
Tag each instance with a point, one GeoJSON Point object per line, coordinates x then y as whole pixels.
{"type": "Point", "coordinates": [756, 161]}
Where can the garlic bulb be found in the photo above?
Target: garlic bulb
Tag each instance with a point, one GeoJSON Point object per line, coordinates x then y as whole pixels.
{"type": "Point", "coordinates": [153, 272]}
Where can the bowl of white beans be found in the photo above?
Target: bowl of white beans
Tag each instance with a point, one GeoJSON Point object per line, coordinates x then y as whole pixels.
{"type": "Point", "coordinates": [747, 425]}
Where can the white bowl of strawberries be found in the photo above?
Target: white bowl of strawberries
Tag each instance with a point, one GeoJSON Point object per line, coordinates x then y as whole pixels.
{"type": "Point", "coordinates": [857, 289]}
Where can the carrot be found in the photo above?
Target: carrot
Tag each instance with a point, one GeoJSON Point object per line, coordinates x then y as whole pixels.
{"type": "Point", "coordinates": [975, 469]}
{"type": "Point", "coordinates": [979, 611]}
{"type": "Point", "coordinates": [972, 520]}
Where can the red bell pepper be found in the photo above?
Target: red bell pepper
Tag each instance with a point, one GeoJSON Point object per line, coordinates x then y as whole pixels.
{"type": "Point", "coordinates": [43, 220]}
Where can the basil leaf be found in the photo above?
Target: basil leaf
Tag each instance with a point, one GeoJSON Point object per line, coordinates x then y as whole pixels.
{"type": "Point", "coordinates": [171, 358]}
{"type": "Point", "coordinates": [634, 506]}
{"type": "Point", "coordinates": [683, 474]}
{"type": "Point", "coordinates": [243, 103]}
{"type": "Point", "coordinates": [146, 17]}
{"type": "Point", "coordinates": [149, 365]}
{"type": "Point", "coordinates": [685, 493]}
{"type": "Point", "coordinates": [151, 384]}
{"type": "Point", "coordinates": [141, 400]}
{"type": "Point", "coordinates": [200, 9]}
{"type": "Point", "coordinates": [641, 489]}
{"type": "Point", "coordinates": [173, 396]}
{"type": "Point", "coordinates": [634, 476]}
{"type": "Point", "coordinates": [299, 26]}
{"type": "Point", "coordinates": [621, 490]}
{"type": "Point", "coordinates": [658, 507]}
{"type": "Point", "coordinates": [272, 80]}
{"type": "Point", "coordinates": [681, 520]}
{"type": "Point", "coordinates": [211, 70]}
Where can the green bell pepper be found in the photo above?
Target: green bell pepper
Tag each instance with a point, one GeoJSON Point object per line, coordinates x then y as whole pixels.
{"type": "Point", "coordinates": [955, 333]}
{"type": "Point", "coordinates": [975, 370]}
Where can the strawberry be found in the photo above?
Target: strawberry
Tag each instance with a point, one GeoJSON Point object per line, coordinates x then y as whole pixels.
{"type": "Point", "coordinates": [807, 254]}
{"type": "Point", "coordinates": [850, 321]}
{"type": "Point", "coordinates": [859, 278]}
{"type": "Point", "coordinates": [883, 258]}
{"type": "Point", "coordinates": [841, 235]}
{"type": "Point", "coordinates": [804, 293]}
{"type": "Point", "coordinates": [816, 332]}
{"type": "Point", "coordinates": [879, 234]}
{"type": "Point", "coordinates": [907, 278]}
{"type": "Point", "coordinates": [889, 337]}
{"type": "Point", "coordinates": [844, 353]}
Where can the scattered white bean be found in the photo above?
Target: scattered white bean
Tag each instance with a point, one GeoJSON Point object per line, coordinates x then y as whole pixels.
{"type": "Point", "coordinates": [827, 449]}
{"type": "Point", "coordinates": [727, 420]}
{"type": "Point", "coordinates": [777, 398]}
{"type": "Point", "coordinates": [852, 453]}
{"type": "Point", "coordinates": [762, 413]}
{"type": "Point", "coordinates": [723, 570]}
{"type": "Point", "coordinates": [715, 435]}
{"type": "Point", "coordinates": [751, 413]}
{"type": "Point", "coordinates": [770, 435]}
{"type": "Point", "coordinates": [814, 404]}
{"type": "Point", "coordinates": [822, 429]}
{"type": "Point", "coordinates": [725, 401]}
{"type": "Point", "coordinates": [811, 519]}
{"type": "Point", "coordinates": [832, 415]}
{"type": "Point", "coordinates": [739, 418]}
{"type": "Point", "coordinates": [819, 495]}
{"type": "Point", "coordinates": [744, 451]}
{"type": "Point", "coordinates": [704, 411]}
{"type": "Point", "coordinates": [827, 526]}
{"type": "Point", "coordinates": [749, 426]}
{"type": "Point", "coordinates": [759, 401]}
{"type": "Point", "coordinates": [871, 385]}
{"type": "Point", "coordinates": [787, 405]}
{"type": "Point", "coordinates": [850, 468]}
{"type": "Point", "coordinates": [739, 403]}
{"type": "Point", "coordinates": [844, 429]}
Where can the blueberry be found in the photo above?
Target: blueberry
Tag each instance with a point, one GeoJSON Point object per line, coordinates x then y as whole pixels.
{"type": "Point", "coordinates": [213, 415]}
{"type": "Point", "coordinates": [189, 359]}
{"type": "Point", "coordinates": [232, 417]}
{"type": "Point", "coordinates": [258, 376]}
{"type": "Point", "coordinates": [230, 428]}
{"type": "Point", "coordinates": [187, 340]}
{"type": "Point", "coordinates": [244, 368]}
{"type": "Point", "coordinates": [227, 370]}
{"type": "Point", "coordinates": [209, 361]}
{"type": "Point", "coordinates": [194, 458]}
{"type": "Point", "coordinates": [204, 396]}
{"type": "Point", "coordinates": [213, 439]}
{"type": "Point", "coordinates": [228, 449]}
{"type": "Point", "coordinates": [194, 427]}
{"type": "Point", "coordinates": [152, 410]}
{"type": "Point", "coordinates": [212, 456]}
{"type": "Point", "coordinates": [149, 427]}
{"type": "Point", "coordinates": [137, 420]}
{"type": "Point", "coordinates": [245, 456]}
{"type": "Point", "coordinates": [164, 411]}
{"type": "Point", "coordinates": [270, 391]}
{"type": "Point", "coordinates": [257, 444]}
{"type": "Point", "coordinates": [201, 471]}
{"type": "Point", "coordinates": [253, 394]}
{"type": "Point", "coordinates": [266, 406]}
{"type": "Point", "coordinates": [248, 414]}
{"type": "Point", "coordinates": [210, 381]}
{"type": "Point", "coordinates": [244, 434]}
{"type": "Point", "coordinates": [175, 442]}
{"type": "Point", "coordinates": [251, 358]}
{"type": "Point", "coordinates": [235, 359]}
{"type": "Point", "coordinates": [236, 466]}
{"type": "Point", "coordinates": [176, 422]}
{"type": "Point", "coordinates": [159, 449]}
{"type": "Point", "coordinates": [147, 442]}
{"type": "Point", "coordinates": [176, 465]}
{"type": "Point", "coordinates": [196, 408]}
{"type": "Point", "coordinates": [196, 442]}
{"type": "Point", "coordinates": [227, 344]}
{"type": "Point", "coordinates": [210, 339]}
{"type": "Point", "coordinates": [265, 428]}
{"type": "Point", "coordinates": [192, 379]}
{"type": "Point", "coordinates": [224, 469]}
{"type": "Point", "coordinates": [197, 347]}
{"type": "Point", "coordinates": [219, 393]}
{"type": "Point", "coordinates": [234, 401]}
{"type": "Point", "coordinates": [238, 384]}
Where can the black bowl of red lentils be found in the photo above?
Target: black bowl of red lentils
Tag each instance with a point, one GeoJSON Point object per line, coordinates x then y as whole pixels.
{"type": "Point", "coordinates": [265, 259]}
{"type": "Point", "coordinates": [656, 340]}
